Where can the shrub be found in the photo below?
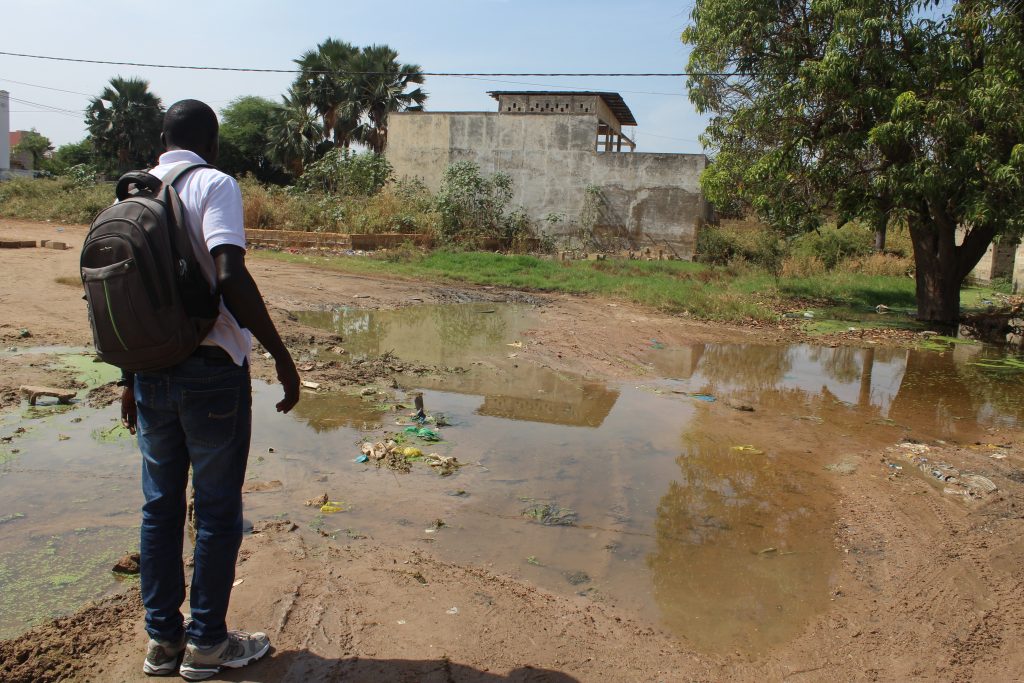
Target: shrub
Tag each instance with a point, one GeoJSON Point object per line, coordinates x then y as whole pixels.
{"type": "Point", "coordinates": [802, 265]}
{"type": "Point", "coordinates": [261, 206]}
{"type": "Point", "coordinates": [880, 264]}
{"type": "Point", "coordinates": [833, 245]}
{"type": "Point", "coordinates": [56, 199]}
{"type": "Point", "coordinates": [716, 246]}
{"type": "Point", "coordinates": [472, 206]}
{"type": "Point", "coordinates": [346, 173]}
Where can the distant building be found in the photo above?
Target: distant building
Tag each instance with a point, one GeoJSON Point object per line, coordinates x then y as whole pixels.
{"type": "Point", "coordinates": [18, 161]}
{"type": "Point", "coordinates": [562, 150]}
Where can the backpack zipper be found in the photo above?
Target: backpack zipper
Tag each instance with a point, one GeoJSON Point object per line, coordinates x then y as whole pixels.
{"type": "Point", "coordinates": [110, 313]}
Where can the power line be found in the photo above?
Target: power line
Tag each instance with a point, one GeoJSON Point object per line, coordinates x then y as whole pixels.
{"type": "Point", "coordinates": [362, 73]}
{"type": "Point", "coordinates": [45, 87]}
{"type": "Point", "coordinates": [57, 110]}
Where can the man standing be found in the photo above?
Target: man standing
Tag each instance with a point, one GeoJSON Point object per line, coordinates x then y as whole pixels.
{"type": "Point", "coordinates": [199, 413]}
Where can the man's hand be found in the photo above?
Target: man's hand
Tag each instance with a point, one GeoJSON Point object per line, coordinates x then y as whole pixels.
{"type": "Point", "coordinates": [243, 299]}
{"type": "Point", "coordinates": [289, 378]}
{"type": "Point", "coordinates": [129, 412]}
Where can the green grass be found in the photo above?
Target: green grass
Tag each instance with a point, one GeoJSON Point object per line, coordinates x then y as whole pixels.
{"type": "Point", "coordinates": [706, 292]}
{"type": "Point", "coordinates": [53, 199]}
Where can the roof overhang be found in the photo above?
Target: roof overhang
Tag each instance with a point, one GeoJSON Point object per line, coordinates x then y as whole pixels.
{"type": "Point", "coordinates": [613, 100]}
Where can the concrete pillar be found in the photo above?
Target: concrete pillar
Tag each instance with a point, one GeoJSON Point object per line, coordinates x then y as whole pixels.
{"type": "Point", "coordinates": [5, 130]}
{"type": "Point", "coordinates": [998, 261]}
{"type": "Point", "coordinates": [1018, 270]}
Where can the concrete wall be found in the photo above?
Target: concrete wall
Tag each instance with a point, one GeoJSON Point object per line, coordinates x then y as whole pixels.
{"type": "Point", "coordinates": [5, 130]}
{"type": "Point", "coordinates": [551, 160]}
{"type": "Point", "coordinates": [997, 262]}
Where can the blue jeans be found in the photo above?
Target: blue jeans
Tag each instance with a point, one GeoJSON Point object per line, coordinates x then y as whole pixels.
{"type": "Point", "coordinates": [200, 413]}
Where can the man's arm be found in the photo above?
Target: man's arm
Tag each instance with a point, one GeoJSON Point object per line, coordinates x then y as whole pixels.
{"type": "Point", "coordinates": [243, 299]}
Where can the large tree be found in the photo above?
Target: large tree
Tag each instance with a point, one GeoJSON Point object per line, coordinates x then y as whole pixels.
{"type": "Point", "coordinates": [295, 133]}
{"type": "Point", "coordinates": [325, 84]}
{"type": "Point", "coordinates": [354, 89]}
{"type": "Point", "coordinates": [878, 110]}
{"type": "Point", "coordinates": [245, 126]}
{"type": "Point", "coordinates": [124, 124]}
{"type": "Point", "coordinates": [380, 86]}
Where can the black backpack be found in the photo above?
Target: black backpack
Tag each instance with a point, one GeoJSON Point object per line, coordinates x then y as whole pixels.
{"type": "Point", "coordinates": [149, 304]}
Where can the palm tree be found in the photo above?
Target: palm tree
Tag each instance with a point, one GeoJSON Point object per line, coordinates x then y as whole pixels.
{"type": "Point", "coordinates": [379, 85]}
{"type": "Point", "coordinates": [324, 85]}
{"type": "Point", "coordinates": [124, 123]}
{"type": "Point", "coordinates": [295, 133]}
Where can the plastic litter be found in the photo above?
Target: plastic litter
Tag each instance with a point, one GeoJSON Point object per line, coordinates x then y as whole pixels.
{"type": "Point", "coordinates": [362, 458]}
{"type": "Point", "coordinates": [445, 464]}
{"type": "Point", "coordinates": [747, 448]}
{"type": "Point", "coordinates": [310, 385]}
{"type": "Point", "coordinates": [332, 506]}
{"type": "Point", "coordinates": [707, 398]}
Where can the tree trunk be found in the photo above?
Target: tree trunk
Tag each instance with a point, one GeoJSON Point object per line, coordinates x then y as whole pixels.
{"type": "Point", "coordinates": [941, 266]}
{"type": "Point", "coordinates": [866, 369]}
{"type": "Point", "coordinates": [880, 228]}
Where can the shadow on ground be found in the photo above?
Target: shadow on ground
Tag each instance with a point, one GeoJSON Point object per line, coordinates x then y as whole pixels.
{"type": "Point", "coordinates": [297, 665]}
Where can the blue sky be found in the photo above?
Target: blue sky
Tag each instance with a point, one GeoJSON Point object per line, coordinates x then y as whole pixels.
{"type": "Point", "coordinates": [439, 35]}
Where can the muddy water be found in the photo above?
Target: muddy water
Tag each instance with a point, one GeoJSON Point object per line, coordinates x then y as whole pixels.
{"type": "Point", "coordinates": [714, 522]}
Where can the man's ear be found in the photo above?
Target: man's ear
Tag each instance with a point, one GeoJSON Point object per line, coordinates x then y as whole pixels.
{"type": "Point", "coordinates": [163, 141]}
{"type": "Point", "coordinates": [214, 150]}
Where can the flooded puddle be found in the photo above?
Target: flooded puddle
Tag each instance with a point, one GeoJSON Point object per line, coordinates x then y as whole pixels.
{"type": "Point", "coordinates": [714, 522]}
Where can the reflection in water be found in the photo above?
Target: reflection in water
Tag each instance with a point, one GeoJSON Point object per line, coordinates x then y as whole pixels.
{"type": "Point", "coordinates": [477, 336]}
{"type": "Point", "coordinates": [746, 366]}
{"type": "Point", "coordinates": [738, 544]}
{"type": "Point", "coordinates": [330, 411]}
{"type": "Point", "coordinates": [743, 549]}
{"type": "Point", "coordinates": [435, 334]}
{"type": "Point", "coordinates": [582, 405]}
{"type": "Point", "coordinates": [532, 393]}
{"type": "Point", "coordinates": [923, 390]}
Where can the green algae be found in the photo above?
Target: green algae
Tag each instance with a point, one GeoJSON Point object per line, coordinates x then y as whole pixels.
{"type": "Point", "coordinates": [112, 434]}
{"type": "Point", "coordinates": [88, 370]}
{"type": "Point", "coordinates": [53, 575]}
{"type": "Point", "coordinates": [47, 411]}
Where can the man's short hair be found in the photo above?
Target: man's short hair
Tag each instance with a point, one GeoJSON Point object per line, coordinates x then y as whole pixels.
{"type": "Point", "coordinates": [190, 124]}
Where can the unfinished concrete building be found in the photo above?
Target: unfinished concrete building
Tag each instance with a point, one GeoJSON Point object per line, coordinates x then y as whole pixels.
{"type": "Point", "coordinates": [573, 167]}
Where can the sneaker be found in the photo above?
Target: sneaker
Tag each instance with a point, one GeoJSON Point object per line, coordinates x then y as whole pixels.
{"type": "Point", "coordinates": [237, 650]}
{"type": "Point", "coordinates": [162, 657]}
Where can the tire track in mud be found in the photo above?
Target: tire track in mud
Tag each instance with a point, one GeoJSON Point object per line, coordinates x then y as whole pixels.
{"type": "Point", "coordinates": [945, 613]}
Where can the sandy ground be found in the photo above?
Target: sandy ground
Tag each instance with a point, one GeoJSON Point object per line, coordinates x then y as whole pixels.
{"type": "Point", "coordinates": [931, 586]}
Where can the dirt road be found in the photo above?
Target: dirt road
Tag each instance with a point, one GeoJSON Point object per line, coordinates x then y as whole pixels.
{"type": "Point", "coordinates": [930, 585]}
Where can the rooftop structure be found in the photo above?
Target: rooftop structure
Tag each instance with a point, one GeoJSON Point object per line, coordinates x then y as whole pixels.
{"type": "Point", "coordinates": [610, 109]}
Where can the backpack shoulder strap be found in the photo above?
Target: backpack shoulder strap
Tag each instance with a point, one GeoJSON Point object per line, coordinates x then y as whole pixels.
{"type": "Point", "coordinates": [181, 170]}
{"type": "Point", "coordinates": [179, 239]}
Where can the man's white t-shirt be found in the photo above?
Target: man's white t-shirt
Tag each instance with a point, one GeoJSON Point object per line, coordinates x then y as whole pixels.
{"type": "Point", "coordinates": [213, 213]}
